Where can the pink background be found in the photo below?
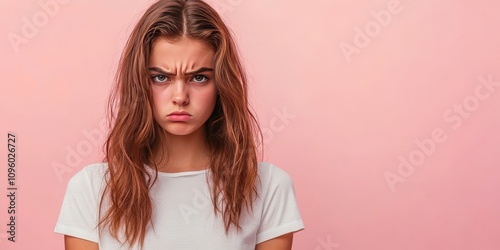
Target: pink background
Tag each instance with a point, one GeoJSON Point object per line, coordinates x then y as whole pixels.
{"type": "Point", "coordinates": [338, 123]}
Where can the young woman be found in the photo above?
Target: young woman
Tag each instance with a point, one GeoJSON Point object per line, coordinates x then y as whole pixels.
{"type": "Point", "coordinates": [180, 168]}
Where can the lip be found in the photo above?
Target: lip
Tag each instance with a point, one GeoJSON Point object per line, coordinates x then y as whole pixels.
{"type": "Point", "coordinates": [179, 113]}
{"type": "Point", "coordinates": [179, 116]}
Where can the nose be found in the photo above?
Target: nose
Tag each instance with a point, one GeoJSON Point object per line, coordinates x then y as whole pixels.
{"type": "Point", "coordinates": [180, 95]}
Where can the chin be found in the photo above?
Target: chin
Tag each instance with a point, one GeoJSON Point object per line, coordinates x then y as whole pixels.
{"type": "Point", "coordinates": [180, 131]}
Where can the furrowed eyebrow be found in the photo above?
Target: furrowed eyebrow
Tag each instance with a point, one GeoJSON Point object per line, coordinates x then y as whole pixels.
{"type": "Point", "coordinates": [203, 69]}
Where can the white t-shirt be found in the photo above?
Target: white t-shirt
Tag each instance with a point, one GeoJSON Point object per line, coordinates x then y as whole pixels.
{"type": "Point", "coordinates": [183, 215]}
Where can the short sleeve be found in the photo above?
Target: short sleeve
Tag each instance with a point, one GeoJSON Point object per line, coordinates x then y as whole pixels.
{"type": "Point", "coordinates": [280, 214]}
{"type": "Point", "coordinates": [79, 210]}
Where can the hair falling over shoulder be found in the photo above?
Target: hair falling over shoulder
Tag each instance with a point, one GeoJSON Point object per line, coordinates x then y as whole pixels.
{"type": "Point", "coordinates": [232, 131]}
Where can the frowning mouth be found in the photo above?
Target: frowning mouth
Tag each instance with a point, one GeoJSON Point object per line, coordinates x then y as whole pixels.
{"type": "Point", "coordinates": [179, 116]}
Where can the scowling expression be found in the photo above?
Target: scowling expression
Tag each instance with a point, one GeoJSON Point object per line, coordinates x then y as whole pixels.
{"type": "Point", "coordinates": [183, 90]}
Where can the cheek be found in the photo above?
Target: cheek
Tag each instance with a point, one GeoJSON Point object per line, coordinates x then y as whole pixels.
{"type": "Point", "coordinates": [208, 98]}
{"type": "Point", "coordinates": [157, 103]}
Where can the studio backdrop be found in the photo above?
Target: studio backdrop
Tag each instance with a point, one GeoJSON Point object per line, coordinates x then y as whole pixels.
{"type": "Point", "coordinates": [386, 113]}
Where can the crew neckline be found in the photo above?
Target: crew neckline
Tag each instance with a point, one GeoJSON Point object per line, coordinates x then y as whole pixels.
{"type": "Point", "coordinates": [179, 174]}
{"type": "Point", "coordinates": [184, 173]}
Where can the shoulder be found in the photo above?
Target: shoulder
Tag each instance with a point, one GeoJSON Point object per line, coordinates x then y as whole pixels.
{"type": "Point", "coordinates": [90, 176]}
{"type": "Point", "coordinates": [278, 205]}
{"type": "Point", "coordinates": [272, 176]}
{"type": "Point", "coordinates": [269, 170]}
{"type": "Point", "coordinates": [80, 206]}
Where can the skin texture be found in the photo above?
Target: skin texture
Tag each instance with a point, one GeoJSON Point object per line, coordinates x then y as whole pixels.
{"type": "Point", "coordinates": [193, 93]}
{"type": "Point", "coordinates": [178, 91]}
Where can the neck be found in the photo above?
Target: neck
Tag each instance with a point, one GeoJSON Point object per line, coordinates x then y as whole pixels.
{"type": "Point", "coordinates": [184, 153]}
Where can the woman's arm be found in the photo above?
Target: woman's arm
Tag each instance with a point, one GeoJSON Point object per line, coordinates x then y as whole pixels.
{"type": "Point", "coordinates": [73, 243]}
{"type": "Point", "coordinates": [283, 242]}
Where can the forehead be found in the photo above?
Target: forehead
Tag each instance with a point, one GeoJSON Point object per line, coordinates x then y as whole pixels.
{"type": "Point", "coordinates": [182, 53]}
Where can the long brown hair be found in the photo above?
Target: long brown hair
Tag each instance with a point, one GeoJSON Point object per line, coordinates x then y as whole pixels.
{"type": "Point", "coordinates": [232, 130]}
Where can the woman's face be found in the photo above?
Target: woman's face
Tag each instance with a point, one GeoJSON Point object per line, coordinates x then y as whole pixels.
{"type": "Point", "coordinates": [181, 76]}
